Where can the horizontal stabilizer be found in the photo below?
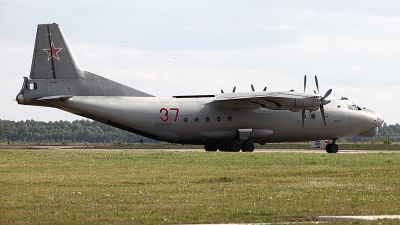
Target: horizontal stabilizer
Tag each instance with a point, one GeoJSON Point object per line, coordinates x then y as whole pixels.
{"type": "Point", "coordinates": [58, 97]}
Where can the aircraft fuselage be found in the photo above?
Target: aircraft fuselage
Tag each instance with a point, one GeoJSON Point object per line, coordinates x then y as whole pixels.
{"type": "Point", "coordinates": [182, 120]}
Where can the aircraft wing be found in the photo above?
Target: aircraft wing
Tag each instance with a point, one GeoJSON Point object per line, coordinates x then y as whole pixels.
{"type": "Point", "coordinates": [290, 100]}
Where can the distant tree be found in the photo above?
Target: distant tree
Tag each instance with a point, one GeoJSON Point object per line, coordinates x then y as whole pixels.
{"type": "Point", "coordinates": [88, 131]}
{"type": "Point", "coordinates": [78, 131]}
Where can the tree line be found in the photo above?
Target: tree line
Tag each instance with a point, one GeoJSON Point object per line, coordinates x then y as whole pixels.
{"type": "Point", "coordinates": [65, 132]}
{"type": "Point", "coordinates": [386, 133]}
{"type": "Point", "coordinates": [87, 131]}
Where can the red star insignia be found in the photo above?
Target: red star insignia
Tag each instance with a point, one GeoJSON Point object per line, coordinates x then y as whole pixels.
{"type": "Point", "coordinates": [52, 52]}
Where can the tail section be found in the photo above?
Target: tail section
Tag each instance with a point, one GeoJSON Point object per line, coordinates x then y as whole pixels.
{"type": "Point", "coordinates": [52, 57]}
{"type": "Point", "coordinates": [55, 73]}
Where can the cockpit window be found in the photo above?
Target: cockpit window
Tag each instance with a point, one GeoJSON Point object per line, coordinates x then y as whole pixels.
{"type": "Point", "coordinates": [32, 86]}
{"type": "Point", "coordinates": [354, 107]}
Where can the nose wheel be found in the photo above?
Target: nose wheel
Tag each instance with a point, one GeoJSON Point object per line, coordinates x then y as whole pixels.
{"type": "Point", "coordinates": [332, 148]}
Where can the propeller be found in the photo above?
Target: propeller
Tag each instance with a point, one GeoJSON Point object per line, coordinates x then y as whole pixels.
{"type": "Point", "coordinates": [233, 91]}
{"type": "Point", "coordinates": [323, 101]}
{"type": "Point", "coordinates": [303, 111]}
{"type": "Point", "coordinates": [316, 83]}
{"type": "Point", "coordinates": [252, 88]}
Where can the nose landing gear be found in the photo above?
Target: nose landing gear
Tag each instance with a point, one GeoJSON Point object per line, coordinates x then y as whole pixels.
{"type": "Point", "coordinates": [332, 147]}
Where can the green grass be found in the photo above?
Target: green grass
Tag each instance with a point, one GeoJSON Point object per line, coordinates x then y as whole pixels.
{"type": "Point", "coordinates": [156, 187]}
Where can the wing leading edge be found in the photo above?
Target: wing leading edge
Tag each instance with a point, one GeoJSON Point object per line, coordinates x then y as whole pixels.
{"type": "Point", "coordinates": [290, 100]}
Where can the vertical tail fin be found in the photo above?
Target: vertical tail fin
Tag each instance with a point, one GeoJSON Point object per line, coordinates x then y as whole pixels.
{"type": "Point", "coordinates": [52, 57]}
{"type": "Point", "coordinates": [56, 74]}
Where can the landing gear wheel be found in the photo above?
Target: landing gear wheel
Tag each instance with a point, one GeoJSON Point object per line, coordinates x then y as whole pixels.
{"type": "Point", "coordinates": [332, 148]}
{"type": "Point", "coordinates": [247, 146]}
{"type": "Point", "coordinates": [232, 147]}
{"type": "Point", "coordinates": [211, 148]}
{"type": "Point", "coordinates": [235, 146]}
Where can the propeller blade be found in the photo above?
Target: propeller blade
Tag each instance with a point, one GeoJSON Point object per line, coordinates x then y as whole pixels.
{"type": "Point", "coordinates": [326, 94]}
{"type": "Point", "coordinates": [315, 92]}
{"type": "Point", "coordinates": [321, 108]}
{"type": "Point", "coordinates": [303, 115]}
{"type": "Point", "coordinates": [222, 91]}
{"type": "Point", "coordinates": [234, 89]}
{"type": "Point", "coordinates": [252, 87]}
{"type": "Point", "coordinates": [265, 88]}
{"type": "Point", "coordinates": [316, 83]}
{"type": "Point", "coordinates": [305, 83]}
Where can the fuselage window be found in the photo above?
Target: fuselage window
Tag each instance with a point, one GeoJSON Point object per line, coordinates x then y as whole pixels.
{"type": "Point", "coordinates": [196, 119]}
{"type": "Point", "coordinates": [185, 119]}
{"type": "Point", "coordinates": [207, 119]}
{"type": "Point", "coordinates": [229, 118]}
{"type": "Point", "coordinates": [218, 118]}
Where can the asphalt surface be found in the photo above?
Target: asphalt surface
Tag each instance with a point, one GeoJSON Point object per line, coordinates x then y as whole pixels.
{"type": "Point", "coordinates": [316, 150]}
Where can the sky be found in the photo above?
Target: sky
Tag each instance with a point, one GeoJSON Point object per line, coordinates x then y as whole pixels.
{"type": "Point", "coordinates": [186, 47]}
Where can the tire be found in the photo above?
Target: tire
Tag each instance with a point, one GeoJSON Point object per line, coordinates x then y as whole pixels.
{"type": "Point", "coordinates": [332, 148]}
{"type": "Point", "coordinates": [235, 147]}
{"type": "Point", "coordinates": [335, 148]}
{"type": "Point", "coordinates": [247, 146]}
{"type": "Point", "coordinates": [328, 148]}
{"type": "Point", "coordinates": [230, 147]}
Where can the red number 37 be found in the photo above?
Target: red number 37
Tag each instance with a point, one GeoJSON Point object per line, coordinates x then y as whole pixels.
{"type": "Point", "coordinates": [165, 114]}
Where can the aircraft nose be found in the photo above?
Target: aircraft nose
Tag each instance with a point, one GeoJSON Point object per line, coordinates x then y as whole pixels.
{"type": "Point", "coordinates": [379, 119]}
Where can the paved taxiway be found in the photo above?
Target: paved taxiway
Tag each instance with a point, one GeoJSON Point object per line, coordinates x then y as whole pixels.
{"type": "Point", "coordinates": [282, 150]}
{"type": "Point", "coordinates": [316, 150]}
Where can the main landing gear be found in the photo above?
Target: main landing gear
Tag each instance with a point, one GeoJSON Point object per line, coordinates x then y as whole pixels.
{"type": "Point", "coordinates": [332, 147]}
{"type": "Point", "coordinates": [234, 146]}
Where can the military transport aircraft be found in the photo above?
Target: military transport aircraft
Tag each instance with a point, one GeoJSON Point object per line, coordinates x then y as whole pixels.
{"type": "Point", "coordinates": [227, 121]}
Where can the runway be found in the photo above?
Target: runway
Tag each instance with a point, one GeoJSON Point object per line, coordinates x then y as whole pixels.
{"type": "Point", "coordinates": [315, 150]}
{"type": "Point", "coordinates": [321, 151]}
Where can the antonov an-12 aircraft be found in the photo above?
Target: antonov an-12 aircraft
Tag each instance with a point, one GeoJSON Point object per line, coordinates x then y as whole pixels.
{"type": "Point", "coordinates": [226, 122]}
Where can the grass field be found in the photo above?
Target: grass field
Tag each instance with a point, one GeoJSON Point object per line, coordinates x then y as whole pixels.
{"type": "Point", "coordinates": [156, 187]}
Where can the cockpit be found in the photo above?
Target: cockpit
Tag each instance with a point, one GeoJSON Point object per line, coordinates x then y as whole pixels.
{"type": "Point", "coordinates": [353, 107]}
